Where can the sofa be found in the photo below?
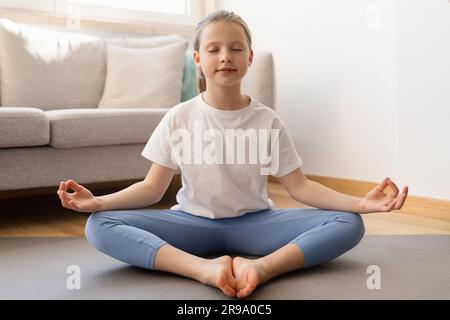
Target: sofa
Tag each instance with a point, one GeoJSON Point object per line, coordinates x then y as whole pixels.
{"type": "Point", "coordinates": [73, 103]}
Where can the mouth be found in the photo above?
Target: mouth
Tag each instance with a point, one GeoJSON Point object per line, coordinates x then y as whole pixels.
{"type": "Point", "coordinates": [226, 70]}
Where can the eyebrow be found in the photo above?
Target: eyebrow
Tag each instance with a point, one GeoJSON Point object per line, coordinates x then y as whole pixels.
{"type": "Point", "coordinates": [214, 42]}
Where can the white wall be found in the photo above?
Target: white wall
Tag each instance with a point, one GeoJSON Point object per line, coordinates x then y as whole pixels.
{"type": "Point", "coordinates": [424, 95]}
{"type": "Point", "coordinates": [359, 104]}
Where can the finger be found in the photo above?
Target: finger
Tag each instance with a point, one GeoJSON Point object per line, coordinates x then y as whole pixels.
{"type": "Point", "coordinates": [65, 197]}
{"type": "Point", "coordinates": [64, 203]}
{"type": "Point", "coordinates": [74, 186]}
{"type": "Point", "coordinates": [65, 200]}
{"type": "Point", "coordinates": [60, 186]}
{"type": "Point", "coordinates": [61, 199]}
{"type": "Point", "coordinates": [65, 187]}
{"type": "Point", "coordinates": [69, 196]}
{"type": "Point", "coordinates": [393, 187]}
{"type": "Point", "coordinates": [398, 204]}
{"type": "Point", "coordinates": [60, 194]}
{"type": "Point", "coordinates": [382, 185]}
{"type": "Point", "coordinates": [388, 207]}
{"type": "Point", "coordinates": [401, 198]}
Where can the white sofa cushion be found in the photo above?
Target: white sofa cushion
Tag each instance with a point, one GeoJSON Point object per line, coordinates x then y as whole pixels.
{"type": "Point", "coordinates": [75, 128]}
{"type": "Point", "coordinates": [51, 69]}
{"type": "Point", "coordinates": [24, 127]}
{"type": "Point", "coordinates": [144, 78]}
{"type": "Point", "coordinates": [259, 82]}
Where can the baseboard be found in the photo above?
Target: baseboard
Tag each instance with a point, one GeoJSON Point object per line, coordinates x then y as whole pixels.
{"type": "Point", "coordinates": [98, 186]}
{"type": "Point", "coordinates": [420, 206]}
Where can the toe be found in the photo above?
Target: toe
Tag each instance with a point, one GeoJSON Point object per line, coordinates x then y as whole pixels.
{"type": "Point", "coordinates": [252, 282]}
{"type": "Point", "coordinates": [229, 291]}
{"type": "Point", "coordinates": [226, 285]}
{"type": "Point", "coordinates": [242, 294]}
{"type": "Point", "coordinates": [248, 289]}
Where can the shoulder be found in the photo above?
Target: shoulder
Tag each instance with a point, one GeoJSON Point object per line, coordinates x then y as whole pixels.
{"type": "Point", "coordinates": [182, 111]}
{"type": "Point", "coordinates": [183, 107]}
{"type": "Point", "coordinates": [267, 113]}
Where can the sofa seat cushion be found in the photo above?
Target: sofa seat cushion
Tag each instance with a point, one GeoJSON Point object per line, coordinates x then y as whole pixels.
{"type": "Point", "coordinates": [74, 128]}
{"type": "Point", "coordinates": [24, 127]}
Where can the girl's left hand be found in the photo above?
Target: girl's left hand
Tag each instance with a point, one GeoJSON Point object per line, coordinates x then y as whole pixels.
{"type": "Point", "coordinates": [377, 201]}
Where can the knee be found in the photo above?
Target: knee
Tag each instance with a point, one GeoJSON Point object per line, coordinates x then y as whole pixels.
{"type": "Point", "coordinates": [355, 224]}
{"type": "Point", "coordinates": [91, 227]}
{"type": "Point", "coordinates": [95, 224]}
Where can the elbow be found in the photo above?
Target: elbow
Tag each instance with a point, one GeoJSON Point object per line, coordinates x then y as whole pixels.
{"type": "Point", "coordinates": [152, 193]}
{"type": "Point", "coordinates": [299, 191]}
{"type": "Point", "coordinates": [157, 196]}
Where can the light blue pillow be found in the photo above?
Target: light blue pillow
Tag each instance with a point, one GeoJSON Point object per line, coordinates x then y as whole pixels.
{"type": "Point", "coordinates": [189, 88]}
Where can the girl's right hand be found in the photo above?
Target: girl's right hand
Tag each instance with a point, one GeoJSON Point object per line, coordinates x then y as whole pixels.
{"type": "Point", "coordinates": [80, 200]}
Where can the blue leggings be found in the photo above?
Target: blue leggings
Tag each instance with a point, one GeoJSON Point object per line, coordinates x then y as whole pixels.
{"type": "Point", "coordinates": [134, 236]}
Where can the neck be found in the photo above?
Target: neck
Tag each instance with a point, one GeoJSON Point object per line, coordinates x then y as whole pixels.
{"type": "Point", "coordinates": [225, 98]}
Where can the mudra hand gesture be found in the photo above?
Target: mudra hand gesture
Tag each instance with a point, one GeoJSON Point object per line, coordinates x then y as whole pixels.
{"type": "Point", "coordinates": [377, 201]}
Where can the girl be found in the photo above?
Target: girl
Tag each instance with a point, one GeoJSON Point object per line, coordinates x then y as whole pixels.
{"type": "Point", "coordinates": [223, 206]}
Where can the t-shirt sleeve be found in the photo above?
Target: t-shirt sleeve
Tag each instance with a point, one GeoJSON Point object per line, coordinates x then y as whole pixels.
{"type": "Point", "coordinates": [288, 158]}
{"type": "Point", "coordinates": [159, 148]}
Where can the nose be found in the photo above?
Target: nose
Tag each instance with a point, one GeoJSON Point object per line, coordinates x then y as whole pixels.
{"type": "Point", "coordinates": [226, 57]}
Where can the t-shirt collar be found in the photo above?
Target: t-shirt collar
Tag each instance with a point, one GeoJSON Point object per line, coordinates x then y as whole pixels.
{"type": "Point", "coordinates": [225, 113]}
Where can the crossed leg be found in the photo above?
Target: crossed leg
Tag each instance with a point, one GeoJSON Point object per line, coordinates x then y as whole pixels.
{"type": "Point", "coordinates": [287, 240]}
{"type": "Point", "coordinates": [318, 236]}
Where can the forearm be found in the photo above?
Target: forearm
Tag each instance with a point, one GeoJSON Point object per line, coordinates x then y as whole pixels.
{"type": "Point", "coordinates": [138, 195]}
{"type": "Point", "coordinates": [319, 196]}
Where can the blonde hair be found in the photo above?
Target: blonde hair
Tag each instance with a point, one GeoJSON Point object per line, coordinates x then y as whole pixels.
{"type": "Point", "coordinates": [216, 16]}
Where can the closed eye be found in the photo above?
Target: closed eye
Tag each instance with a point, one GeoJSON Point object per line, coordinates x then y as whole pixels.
{"type": "Point", "coordinates": [218, 50]}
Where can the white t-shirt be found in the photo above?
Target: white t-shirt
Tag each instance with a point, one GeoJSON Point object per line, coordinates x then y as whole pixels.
{"type": "Point", "coordinates": [224, 156]}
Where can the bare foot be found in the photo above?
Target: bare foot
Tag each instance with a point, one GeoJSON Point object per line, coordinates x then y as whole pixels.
{"type": "Point", "coordinates": [249, 274]}
{"type": "Point", "coordinates": [218, 273]}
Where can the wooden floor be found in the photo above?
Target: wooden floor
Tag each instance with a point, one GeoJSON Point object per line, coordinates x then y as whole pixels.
{"type": "Point", "coordinates": [43, 216]}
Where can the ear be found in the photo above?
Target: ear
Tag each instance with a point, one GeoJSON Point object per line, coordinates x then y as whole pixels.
{"type": "Point", "coordinates": [197, 58]}
{"type": "Point", "coordinates": [250, 58]}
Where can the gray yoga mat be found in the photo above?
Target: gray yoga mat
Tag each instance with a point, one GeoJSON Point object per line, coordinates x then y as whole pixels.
{"type": "Point", "coordinates": [409, 267]}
